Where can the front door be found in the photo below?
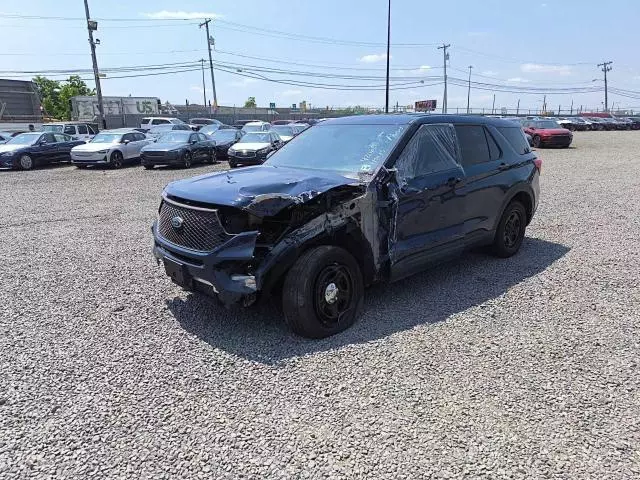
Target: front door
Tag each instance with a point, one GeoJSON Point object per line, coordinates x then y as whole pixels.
{"type": "Point", "coordinates": [429, 209]}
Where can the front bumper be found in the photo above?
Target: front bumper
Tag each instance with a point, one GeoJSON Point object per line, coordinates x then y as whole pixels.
{"type": "Point", "coordinates": [221, 272]}
{"type": "Point", "coordinates": [170, 159]}
{"type": "Point", "coordinates": [89, 159]}
{"type": "Point", "coordinates": [240, 159]}
{"type": "Point", "coordinates": [556, 141]}
{"type": "Point", "coordinates": [6, 161]}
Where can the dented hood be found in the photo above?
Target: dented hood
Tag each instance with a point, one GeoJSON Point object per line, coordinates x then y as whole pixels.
{"type": "Point", "coordinates": [262, 190]}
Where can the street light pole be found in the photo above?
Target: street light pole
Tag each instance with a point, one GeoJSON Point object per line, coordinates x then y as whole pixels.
{"type": "Point", "coordinates": [386, 103]}
{"type": "Point", "coordinates": [469, 89]}
{"type": "Point", "coordinates": [91, 26]}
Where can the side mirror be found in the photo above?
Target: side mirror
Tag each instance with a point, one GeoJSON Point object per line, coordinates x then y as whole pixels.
{"type": "Point", "coordinates": [532, 128]}
{"type": "Point", "coordinates": [193, 142]}
{"type": "Point", "coordinates": [126, 141]}
{"type": "Point", "coordinates": [42, 142]}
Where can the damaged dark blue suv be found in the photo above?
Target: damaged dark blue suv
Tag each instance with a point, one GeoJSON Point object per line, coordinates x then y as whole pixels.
{"type": "Point", "coordinates": [349, 202]}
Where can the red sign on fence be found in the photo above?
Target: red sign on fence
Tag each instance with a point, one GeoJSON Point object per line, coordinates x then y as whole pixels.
{"type": "Point", "coordinates": [425, 105]}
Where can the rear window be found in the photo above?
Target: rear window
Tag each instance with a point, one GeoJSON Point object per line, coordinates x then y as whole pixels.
{"type": "Point", "coordinates": [82, 129]}
{"type": "Point", "coordinates": [515, 136]}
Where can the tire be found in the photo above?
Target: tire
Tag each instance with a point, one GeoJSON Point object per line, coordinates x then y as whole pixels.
{"type": "Point", "coordinates": [81, 167]}
{"type": "Point", "coordinates": [116, 159]}
{"type": "Point", "coordinates": [536, 141]}
{"type": "Point", "coordinates": [323, 292]}
{"type": "Point", "coordinates": [233, 165]}
{"type": "Point", "coordinates": [212, 158]}
{"type": "Point", "coordinates": [25, 162]}
{"type": "Point", "coordinates": [510, 231]}
{"type": "Point", "coordinates": [187, 160]}
{"type": "Point", "coordinates": [148, 167]}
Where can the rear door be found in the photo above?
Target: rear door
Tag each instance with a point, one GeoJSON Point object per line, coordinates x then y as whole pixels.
{"type": "Point", "coordinates": [129, 147]}
{"type": "Point", "coordinates": [487, 178]}
{"type": "Point", "coordinates": [428, 211]}
{"type": "Point", "coordinates": [83, 133]}
{"type": "Point", "coordinates": [71, 130]}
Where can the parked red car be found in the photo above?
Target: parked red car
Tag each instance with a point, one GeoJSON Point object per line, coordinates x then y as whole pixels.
{"type": "Point", "coordinates": [547, 133]}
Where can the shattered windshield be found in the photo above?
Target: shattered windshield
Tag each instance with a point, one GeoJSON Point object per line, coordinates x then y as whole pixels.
{"type": "Point", "coordinates": [342, 148]}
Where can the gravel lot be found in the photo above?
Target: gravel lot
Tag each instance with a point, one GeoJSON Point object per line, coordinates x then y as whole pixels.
{"type": "Point", "coordinates": [519, 368]}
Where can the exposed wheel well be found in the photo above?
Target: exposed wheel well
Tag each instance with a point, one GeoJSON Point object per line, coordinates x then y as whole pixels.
{"type": "Point", "coordinates": [525, 199]}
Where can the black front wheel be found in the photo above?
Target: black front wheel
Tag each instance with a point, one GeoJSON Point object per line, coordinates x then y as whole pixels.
{"type": "Point", "coordinates": [186, 160]}
{"type": "Point", "coordinates": [116, 160]}
{"type": "Point", "coordinates": [211, 157]}
{"type": "Point", "coordinates": [323, 292]}
{"type": "Point", "coordinates": [510, 232]}
{"type": "Point", "coordinates": [536, 141]}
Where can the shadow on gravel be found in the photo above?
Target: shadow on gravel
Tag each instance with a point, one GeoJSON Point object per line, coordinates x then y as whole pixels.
{"type": "Point", "coordinates": [259, 334]}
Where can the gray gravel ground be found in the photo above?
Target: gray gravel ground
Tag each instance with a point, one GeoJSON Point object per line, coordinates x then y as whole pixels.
{"type": "Point", "coordinates": [518, 368]}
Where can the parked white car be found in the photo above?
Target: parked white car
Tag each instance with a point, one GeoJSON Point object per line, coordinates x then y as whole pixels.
{"type": "Point", "coordinates": [110, 147]}
{"type": "Point", "coordinates": [286, 132]}
{"type": "Point", "coordinates": [256, 127]}
{"type": "Point", "coordinates": [78, 131]}
{"type": "Point", "coordinates": [149, 122]}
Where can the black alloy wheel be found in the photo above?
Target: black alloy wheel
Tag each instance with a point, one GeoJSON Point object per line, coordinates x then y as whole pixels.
{"type": "Point", "coordinates": [186, 159]}
{"type": "Point", "coordinates": [536, 141]}
{"type": "Point", "coordinates": [116, 159]}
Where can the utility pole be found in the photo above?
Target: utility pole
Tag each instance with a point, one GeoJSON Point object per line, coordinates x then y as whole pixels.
{"type": "Point", "coordinates": [518, 107]}
{"type": "Point", "coordinates": [493, 107]}
{"type": "Point", "coordinates": [204, 87]}
{"type": "Point", "coordinates": [544, 105]}
{"type": "Point", "coordinates": [605, 68]}
{"type": "Point", "coordinates": [386, 103]}
{"type": "Point", "coordinates": [469, 89]}
{"type": "Point", "coordinates": [213, 80]}
{"type": "Point", "coordinates": [91, 26]}
{"type": "Point", "coordinates": [445, 57]}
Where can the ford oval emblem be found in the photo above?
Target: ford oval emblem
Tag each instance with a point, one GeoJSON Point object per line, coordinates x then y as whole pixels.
{"type": "Point", "coordinates": [177, 223]}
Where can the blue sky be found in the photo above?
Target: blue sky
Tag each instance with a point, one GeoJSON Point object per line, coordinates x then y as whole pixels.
{"type": "Point", "coordinates": [540, 43]}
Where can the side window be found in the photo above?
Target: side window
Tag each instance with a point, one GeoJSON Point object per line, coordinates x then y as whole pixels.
{"type": "Point", "coordinates": [515, 137]}
{"type": "Point", "coordinates": [82, 129]}
{"type": "Point", "coordinates": [91, 131]}
{"type": "Point", "coordinates": [70, 129]}
{"type": "Point", "coordinates": [61, 137]}
{"type": "Point", "coordinates": [159, 121]}
{"type": "Point", "coordinates": [193, 137]}
{"type": "Point", "coordinates": [140, 136]}
{"type": "Point", "coordinates": [473, 144]}
{"type": "Point", "coordinates": [202, 137]}
{"type": "Point", "coordinates": [433, 148]}
{"type": "Point", "coordinates": [128, 136]}
{"type": "Point", "coordinates": [494, 150]}
{"type": "Point", "coordinates": [49, 138]}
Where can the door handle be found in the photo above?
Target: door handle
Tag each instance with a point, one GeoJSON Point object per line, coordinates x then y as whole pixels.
{"type": "Point", "coordinates": [453, 181]}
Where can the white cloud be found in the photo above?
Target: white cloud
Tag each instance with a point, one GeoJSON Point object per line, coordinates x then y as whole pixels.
{"type": "Point", "coordinates": [166, 14]}
{"type": "Point", "coordinates": [291, 93]}
{"type": "Point", "coordinates": [243, 83]}
{"type": "Point", "coordinates": [517, 80]}
{"type": "Point", "coordinates": [373, 58]}
{"type": "Point", "coordinates": [490, 73]}
{"type": "Point", "coordinates": [538, 68]}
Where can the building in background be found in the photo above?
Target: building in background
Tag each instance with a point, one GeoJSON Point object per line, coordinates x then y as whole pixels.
{"type": "Point", "coordinates": [19, 105]}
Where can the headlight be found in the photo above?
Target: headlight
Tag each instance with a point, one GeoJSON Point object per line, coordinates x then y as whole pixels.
{"type": "Point", "coordinates": [102, 151]}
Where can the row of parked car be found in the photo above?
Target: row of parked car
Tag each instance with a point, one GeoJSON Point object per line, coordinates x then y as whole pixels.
{"type": "Point", "coordinates": [600, 123]}
{"type": "Point", "coordinates": [165, 144]}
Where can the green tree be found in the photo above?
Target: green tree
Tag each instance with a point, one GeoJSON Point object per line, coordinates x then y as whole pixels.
{"type": "Point", "coordinates": [250, 103]}
{"type": "Point", "coordinates": [55, 95]}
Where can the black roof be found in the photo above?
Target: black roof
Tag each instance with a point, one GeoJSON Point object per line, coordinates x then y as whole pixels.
{"type": "Point", "coordinates": [407, 118]}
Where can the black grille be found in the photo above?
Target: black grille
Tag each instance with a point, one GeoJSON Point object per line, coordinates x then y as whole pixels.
{"type": "Point", "coordinates": [559, 140]}
{"type": "Point", "coordinates": [201, 230]}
